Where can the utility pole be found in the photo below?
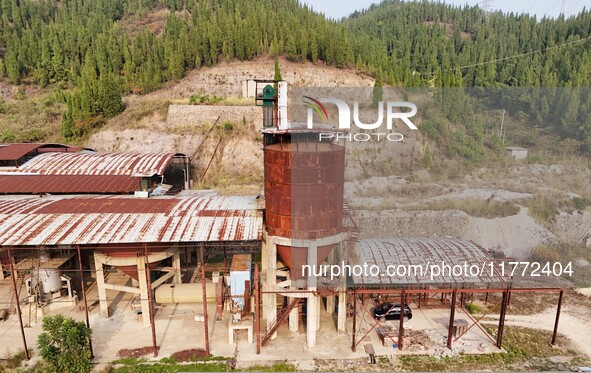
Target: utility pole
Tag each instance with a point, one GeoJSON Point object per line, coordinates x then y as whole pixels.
{"type": "Point", "coordinates": [501, 133]}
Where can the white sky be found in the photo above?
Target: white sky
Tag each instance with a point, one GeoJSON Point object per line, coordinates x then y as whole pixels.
{"type": "Point", "coordinates": [552, 8]}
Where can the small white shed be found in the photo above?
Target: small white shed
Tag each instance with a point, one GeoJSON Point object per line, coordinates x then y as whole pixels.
{"type": "Point", "coordinates": [516, 152]}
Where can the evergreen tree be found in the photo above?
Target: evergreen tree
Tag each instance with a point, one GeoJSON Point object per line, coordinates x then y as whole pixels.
{"type": "Point", "coordinates": [277, 75]}
{"type": "Point", "coordinates": [378, 90]}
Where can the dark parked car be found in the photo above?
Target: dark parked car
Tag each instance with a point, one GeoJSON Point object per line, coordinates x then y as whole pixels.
{"type": "Point", "coordinates": [391, 311]}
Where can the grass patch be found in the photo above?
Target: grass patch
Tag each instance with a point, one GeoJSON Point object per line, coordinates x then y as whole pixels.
{"type": "Point", "coordinates": [473, 207]}
{"type": "Point", "coordinates": [277, 367]}
{"type": "Point", "coordinates": [204, 99]}
{"type": "Point", "coordinates": [207, 364]}
{"type": "Point", "coordinates": [172, 367]}
{"type": "Point", "coordinates": [543, 208]}
{"type": "Point", "coordinates": [527, 350]}
{"type": "Point", "coordinates": [12, 362]}
{"type": "Point", "coordinates": [133, 365]}
{"type": "Point", "coordinates": [473, 308]}
{"type": "Point", "coordinates": [34, 119]}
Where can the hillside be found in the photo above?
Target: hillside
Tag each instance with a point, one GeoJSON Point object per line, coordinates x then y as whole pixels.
{"type": "Point", "coordinates": [90, 54]}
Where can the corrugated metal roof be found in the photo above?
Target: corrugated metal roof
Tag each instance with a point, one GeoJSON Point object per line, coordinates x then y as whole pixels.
{"type": "Point", "coordinates": [97, 220]}
{"type": "Point", "coordinates": [13, 152]}
{"type": "Point", "coordinates": [424, 252]}
{"type": "Point", "coordinates": [34, 184]}
{"type": "Point", "coordinates": [138, 164]}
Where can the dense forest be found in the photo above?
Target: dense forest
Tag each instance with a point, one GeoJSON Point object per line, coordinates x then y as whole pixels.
{"type": "Point", "coordinates": [82, 48]}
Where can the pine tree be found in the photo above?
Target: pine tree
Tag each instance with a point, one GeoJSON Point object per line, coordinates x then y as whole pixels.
{"type": "Point", "coordinates": [277, 76]}
{"type": "Point", "coordinates": [12, 67]}
{"type": "Point", "coordinates": [378, 90]}
{"type": "Point", "coordinates": [109, 96]}
{"type": "Point", "coordinates": [291, 50]}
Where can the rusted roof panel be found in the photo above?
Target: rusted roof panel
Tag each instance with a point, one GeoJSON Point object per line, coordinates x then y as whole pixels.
{"type": "Point", "coordinates": [424, 252]}
{"type": "Point", "coordinates": [13, 152]}
{"type": "Point", "coordinates": [34, 184]}
{"type": "Point", "coordinates": [138, 164]}
{"type": "Point", "coordinates": [103, 220]}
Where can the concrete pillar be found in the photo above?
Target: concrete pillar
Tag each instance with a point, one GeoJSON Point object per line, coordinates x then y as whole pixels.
{"type": "Point", "coordinates": [313, 306]}
{"type": "Point", "coordinates": [144, 300]}
{"type": "Point", "coordinates": [176, 264]}
{"type": "Point", "coordinates": [330, 304]}
{"type": "Point", "coordinates": [342, 314]}
{"type": "Point", "coordinates": [318, 310]}
{"type": "Point", "coordinates": [270, 281]}
{"type": "Point", "coordinates": [100, 284]}
{"type": "Point", "coordinates": [91, 264]}
{"type": "Point", "coordinates": [293, 316]}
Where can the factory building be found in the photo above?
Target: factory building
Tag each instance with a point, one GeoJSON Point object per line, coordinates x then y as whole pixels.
{"type": "Point", "coordinates": [122, 237]}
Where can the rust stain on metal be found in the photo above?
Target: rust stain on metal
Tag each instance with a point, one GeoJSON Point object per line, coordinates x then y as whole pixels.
{"type": "Point", "coordinates": [304, 185]}
{"type": "Point", "coordinates": [34, 184]}
{"type": "Point", "coordinates": [13, 152]}
{"type": "Point", "coordinates": [84, 220]}
{"type": "Point", "coordinates": [131, 164]}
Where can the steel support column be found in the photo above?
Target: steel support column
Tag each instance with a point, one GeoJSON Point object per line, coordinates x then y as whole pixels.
{"type": "Point", "coordinates": [401, 322]}
{"type": "Point", "coordinates": [555, 333]}
{"type": "Point", "coordinates": [150, 302]}
{"type": "Point", "coordinates": [502, 319]}
{"type": "Point", "coordinates": [354, 320]}
{"type": "Point", "coordinates": [205, 319]}
{"type": "Point", "coordinates": [257, 308]}
{"type": "Point", "coordinates": [13, 275]}
{"type": "Point", "coordinates": [83, 289]}
{"type": "Point", "coordinates": [452, 315]}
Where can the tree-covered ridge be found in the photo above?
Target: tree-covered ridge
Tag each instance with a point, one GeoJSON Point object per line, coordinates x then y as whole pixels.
{"type": "Point", "coordinates": [413, 43]}
{"type": "Point", "coordinates": [426, 43]}
{"type": "Point", "coordinates": [87, 45]}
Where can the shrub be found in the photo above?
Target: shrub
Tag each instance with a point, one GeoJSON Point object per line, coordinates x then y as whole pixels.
{"type": "Point", "coordinates": [580, 203]}
{"type": "Point", "coordinates": [472, 308]}
{"type": "Point", "coordinates": [543, 208]}
{"type": "Point", "coordinates": [545, 254]}
{"type": "Point", "coordinates": [65, 344]}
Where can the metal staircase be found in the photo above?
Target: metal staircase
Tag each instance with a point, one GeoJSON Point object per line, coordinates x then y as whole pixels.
{"type": "Point", "coordinates": [282, 315]}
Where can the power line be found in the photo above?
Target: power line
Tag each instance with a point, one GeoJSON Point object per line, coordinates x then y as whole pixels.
{"type": "Point", "coordinates": [532, 6]}
{"type": "Point", "coordinates": [511, 57]}
{"type": "Point", "coordinates": [562, 7]}
{"type": "Point", "coordinates": [574, 6]}
{"type": "Point", "coordinates": [552, 7]}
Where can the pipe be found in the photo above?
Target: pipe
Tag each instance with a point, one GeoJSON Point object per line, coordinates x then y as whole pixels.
{"type": "Point", "coordinates": [83, 287]}
{"type": "Point", "coordinates": [555, 334]}
{"type": "Point", "coordinates": [206, 321]}
{"type": "Point", "coordinates": [13, 275]}
{"type": "Point", "coordinates": [151, 304]}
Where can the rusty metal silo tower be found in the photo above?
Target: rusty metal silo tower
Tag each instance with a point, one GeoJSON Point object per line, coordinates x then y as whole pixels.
{"type": "Point", "coordinates": [304, 188]}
